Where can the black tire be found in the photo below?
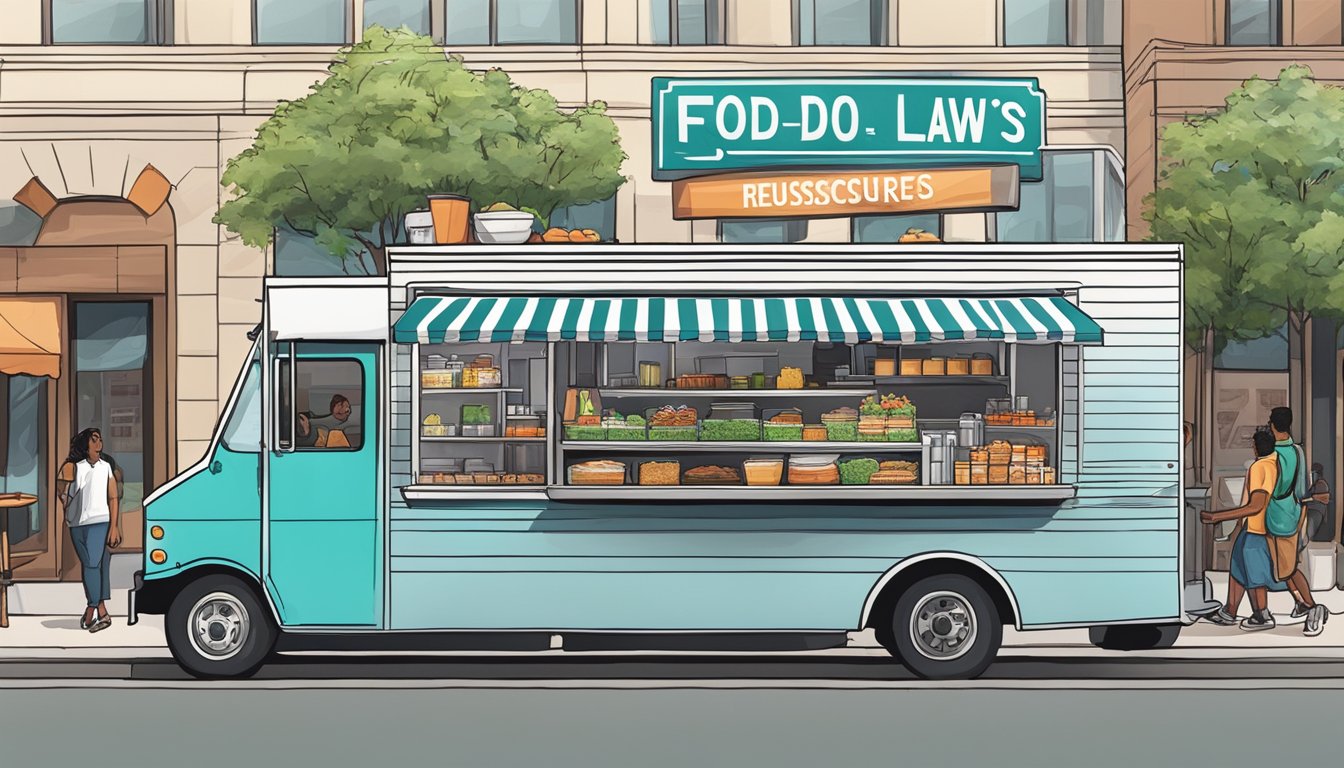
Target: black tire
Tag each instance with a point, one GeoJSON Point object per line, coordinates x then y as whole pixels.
{"type": "Point", "coordinates": [949, 606]}
{"type": "Point", "coordinates": [1134, 637]}
{"type": "Point", "coordinates": [235, 619]}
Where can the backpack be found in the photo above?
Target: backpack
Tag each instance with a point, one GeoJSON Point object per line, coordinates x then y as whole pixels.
{"type": "Point", "coordinates": [1284, 513]}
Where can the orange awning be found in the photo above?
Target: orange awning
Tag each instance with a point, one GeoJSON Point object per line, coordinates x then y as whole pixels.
{"type": "Point", "coordinates": [30, 336]}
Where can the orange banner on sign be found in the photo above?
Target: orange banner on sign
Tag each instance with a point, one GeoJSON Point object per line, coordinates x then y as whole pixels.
{"type": "Point", "coordinates": [844, 194]}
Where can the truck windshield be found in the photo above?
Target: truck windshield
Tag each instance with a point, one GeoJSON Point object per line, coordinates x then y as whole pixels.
{"type": "Point", "coordinates": [243, 432]}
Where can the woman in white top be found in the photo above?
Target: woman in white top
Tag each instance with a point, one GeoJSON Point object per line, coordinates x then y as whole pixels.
{"type": "Point", "coordinates": [87, 488]}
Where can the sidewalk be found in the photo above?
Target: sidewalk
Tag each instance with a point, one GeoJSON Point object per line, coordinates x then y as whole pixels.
{"type": "Point", "coordinates": [48, 637]}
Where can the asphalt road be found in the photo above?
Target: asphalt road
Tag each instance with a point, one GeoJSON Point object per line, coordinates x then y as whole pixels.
{"type": "Point", "coordinates": [696, 711]}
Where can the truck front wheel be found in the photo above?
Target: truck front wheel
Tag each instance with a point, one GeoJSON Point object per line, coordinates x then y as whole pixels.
{"type": "Point", "coordinates": [946, 626]}
{"type": "Point", "coordinates": [216, 627]}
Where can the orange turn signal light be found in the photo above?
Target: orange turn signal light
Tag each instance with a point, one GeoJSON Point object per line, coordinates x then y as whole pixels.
{"type": "Point", "coordinates": [158, 557]}
{"type": "Point", "coordinates": [156, 532]}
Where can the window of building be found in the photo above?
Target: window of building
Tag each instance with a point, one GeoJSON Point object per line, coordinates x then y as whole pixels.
{"type": "Point", "coordinates": [1070, 204]}
{"type": "Point", "coordinates": [301, 22]}
{"type": "Point", "coordinates": [511, 22]}
{"type": "Point", "coordinates": [599, 216]}
{"type": "Point", "coordinates": [1253, 22]}
{"type": "Point", "coordinates": [243, 432]}
{"type": "Point", "coordinates": [112, 378]}
{"type": "Point", "coordinates": [686, 22]}
{"type": "Point", "coordinates": [840, 22]}
{"type": "Point", "coordinates": [395, 14]}
{"type": "Point", "coordinates": [107, 22]}
{"type": "Point", "coordinates": [18, 224]}
{"type": "Point", "coordinates": [888, 229]}
{"type": "Point", "coordinates": [327, 409]}
{"type": "Point", "coordinates": [23, 451]}
{"type": "Point", "coordinates": [762, 230]}
{"type": "Point", "coordinates": [1269, 353]}
{"type": "Point", "coordinates": [1035, 22]}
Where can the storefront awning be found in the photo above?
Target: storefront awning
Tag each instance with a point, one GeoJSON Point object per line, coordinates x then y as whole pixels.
{"type": "Point", "coordinates": [30, 336]}
{"type": "Point", "coordinates": [1041, 319]}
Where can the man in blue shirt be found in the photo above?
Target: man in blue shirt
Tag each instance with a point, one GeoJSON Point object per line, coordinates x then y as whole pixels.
{"type": "Point", "coordinates": [1283, 520]}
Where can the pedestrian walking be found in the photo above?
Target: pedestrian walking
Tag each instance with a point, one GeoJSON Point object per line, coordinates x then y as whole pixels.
{"type": "Point", "coordinates": [1252, 569]}
{"type": "Point", "coordinates": [87, 489]}
{"type": "Point", "coordinates": [1285, 521]}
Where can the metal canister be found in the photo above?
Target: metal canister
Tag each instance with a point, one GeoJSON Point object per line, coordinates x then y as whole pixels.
{"type": "Point", "coordinates": [971, 430]}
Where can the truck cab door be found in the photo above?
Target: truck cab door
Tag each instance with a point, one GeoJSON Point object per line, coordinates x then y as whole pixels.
{"type": "Point", "coordinates": [324, 551]}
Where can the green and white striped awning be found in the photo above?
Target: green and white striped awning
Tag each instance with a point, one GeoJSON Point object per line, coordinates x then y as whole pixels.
{"type": "Point", "coordinates": [1041, 319]}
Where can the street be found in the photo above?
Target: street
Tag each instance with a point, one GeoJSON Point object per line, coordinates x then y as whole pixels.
{"type": "Point", "coordinates": [628, 710]}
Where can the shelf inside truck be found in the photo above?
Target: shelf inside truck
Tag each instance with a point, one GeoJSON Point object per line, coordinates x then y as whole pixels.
{"type": "Point", "coordinates": [837, 493]}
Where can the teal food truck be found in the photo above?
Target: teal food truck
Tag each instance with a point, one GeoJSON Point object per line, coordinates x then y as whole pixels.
{"type": "Point", "coordinates": [928, 441]}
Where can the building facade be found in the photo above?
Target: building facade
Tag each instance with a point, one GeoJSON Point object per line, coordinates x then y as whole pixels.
{"type": "Point", "coordinates": [1184, 57]}
{"type": "Point", "coordinates": [153, 307]}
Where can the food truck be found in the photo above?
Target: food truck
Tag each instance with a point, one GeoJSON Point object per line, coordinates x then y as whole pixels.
{"type": "Point", "coordinates": [931, 441]}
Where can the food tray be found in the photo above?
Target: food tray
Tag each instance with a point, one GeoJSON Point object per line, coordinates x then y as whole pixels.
{"type": "Point", "coordinates": [631, 432]}
{"type": "Point", "coordinates": [761, 471]}
{"type": "Point", "coordinates": [581, 475]}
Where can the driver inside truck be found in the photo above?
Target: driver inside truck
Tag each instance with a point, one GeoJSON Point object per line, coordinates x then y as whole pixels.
{"type": "Point", "coordinates": [335, 430]}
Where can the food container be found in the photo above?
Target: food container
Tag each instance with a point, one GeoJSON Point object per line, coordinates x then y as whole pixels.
{"type": "Point", "coordinates": [758, 381]}
{"type": "Point", "coordinates": [436, 380]}
{"type": "Point", "coordinates": [842, 431]}
{"type": "Point", "coordinates": [730, 430]}
{"type": "Point", "coordinates": [476, 414]}
{"type": "Point", "coordinates": [449, 214]}
{"type": "Point", "coordinates": [783, 433]}
{"type": "Point", "coordinates": [982, 364]}
{"type": "Point", "coordinates": [1048, 476]}
{"type": "Point", "coordinates": [601, 472]}
{"type": "Point", "coordinates": [762, 471]}
{"type": "Point", "coordinates": [998, 474]}
{"type": "Point", "coordinates": [1019, 454]}
{"type": "Point", "coordinates": [979, 455]}
{"type": "Point", "coordinates": [1035, 474]}
{"type": "Point", "coordinates": [814, 470]}
{"type": "Point", "coordinates": [884, 366]}
{"type": "Point", "coordinates": [815, 433]}
{"type": "Point", "coordinates": [872, 429]}
{"type": "Point", "coordinates": [958, 366]}
{"type": "Point", "coordinates": [434, 430]}
{"type": "Point", "coordinates": [739, 382]}
{"type": "Point", "coordinates": [577, 432]}
{"type": "Point", "coordinates": [858, 471]}
{"type": "Point", "coordinates": [711, 475]}
{"type": "Point", "coordinates": [789, 378]}
{"type": "Point", "coordinates": [912, 367]}
{"type": "Point", "coordinates": [733, 411]}
{"type": "Point", "coordinates": [660, 473]}
{"type": "Point", "coordinates": [1017, 474]}
{"type": "Point", "coordinates": [489, 378]}
{"type": "Point", "coordinates": [673, 434]}
{"type": "Point", "coordinates": [503, 227]}
{"type": "Point", "coordinates": [979, 474]}
{"type": "Point", "coordinates": [962, 472]}
{"type": "Point", "coordinates": [1000, 452]}
{"type": "Point", "coordinates": [971, 429]}
{"type": "Point", "coordinates": [471, 378]}
{"type": "Point", "coordinates": [934, 366]}
{"type": "Point", "coordinates": [1036, 453]}
{"type": "Point", "coordinates": [621, 430]}
{"type": "Point", "coordinates": [478, 430]}
{"type": "Point", "coordinates": [420, 228]}
{"type": "Point", "coordinates": [650, 374]}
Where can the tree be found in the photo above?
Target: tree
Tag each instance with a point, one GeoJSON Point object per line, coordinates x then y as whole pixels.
{"type": "Point", "coordinates": [1252, 190]}
{"type": "Point", "coordinates": [397, 120]}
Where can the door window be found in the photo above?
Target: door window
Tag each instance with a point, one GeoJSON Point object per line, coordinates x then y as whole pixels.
{"type": "Point", "coordinates": [326, 409]}
{"type": "Point", "coordinates": [111, 362]}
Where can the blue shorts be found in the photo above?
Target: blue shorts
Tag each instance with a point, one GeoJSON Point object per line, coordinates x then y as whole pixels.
{"type": "Point", "coordinates": [1252, 566]}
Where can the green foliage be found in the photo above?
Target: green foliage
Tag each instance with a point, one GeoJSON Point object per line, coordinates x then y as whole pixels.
{"type": "Point", "coordinates": [1251, 190]}
{"type": "Point", "coordinates": [397, 120]}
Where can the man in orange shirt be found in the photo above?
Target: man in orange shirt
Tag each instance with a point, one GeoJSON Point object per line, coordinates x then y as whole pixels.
{"type": "Point", "coordinates": [1252, 568]}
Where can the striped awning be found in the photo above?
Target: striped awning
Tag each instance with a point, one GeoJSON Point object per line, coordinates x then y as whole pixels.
{"type": "Point", "coordinates": [1042, 319]}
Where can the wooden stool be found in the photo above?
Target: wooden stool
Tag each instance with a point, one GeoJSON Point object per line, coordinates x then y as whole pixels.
{"type": "Point", "coordinates": [8, 501]}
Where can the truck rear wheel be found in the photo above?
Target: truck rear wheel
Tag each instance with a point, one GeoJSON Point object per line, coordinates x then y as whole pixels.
{"type": "Point", "coordinates": [216, 627]}
{"type": "Point", "coordinates": [946, 626]}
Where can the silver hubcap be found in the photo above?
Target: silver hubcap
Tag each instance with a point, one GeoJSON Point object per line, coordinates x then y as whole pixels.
{"type": "Point", "coordinates": [218, 626]}
{"type": "Point", "coordinates": [943, 626]}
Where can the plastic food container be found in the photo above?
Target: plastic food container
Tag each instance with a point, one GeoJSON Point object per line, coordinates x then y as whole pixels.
{"type": "Point", "coordinates": [597, 473]}
{"type": "Point", "coordinates": [763, 471]}
{"type": "Point", "coordinates": [814, 470]}
{"type": "Point", "coordinates": [660, 473]}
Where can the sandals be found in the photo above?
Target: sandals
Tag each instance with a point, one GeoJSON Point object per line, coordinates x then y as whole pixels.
{"type": "Point", "coordinates": [97, 625]}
